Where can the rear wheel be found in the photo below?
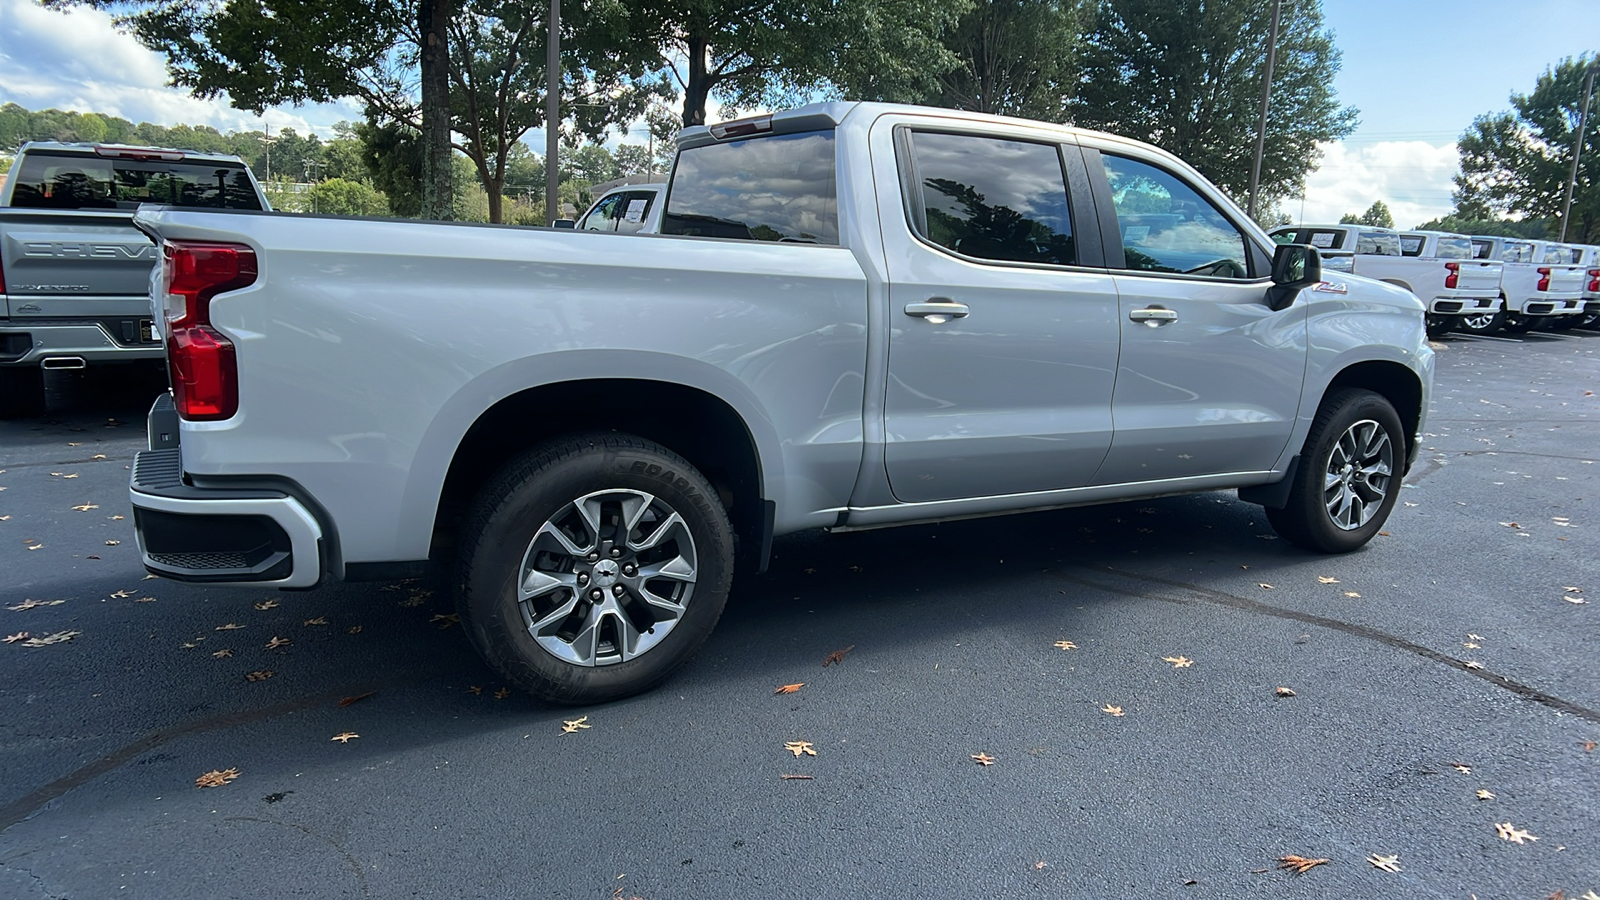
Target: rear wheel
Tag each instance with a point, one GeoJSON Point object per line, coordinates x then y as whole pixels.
{"type": "Point", "coordinates": [1562, 323]}
{"type": "Point", "coordinates": [1439, 326]}
{"type": "Point", "coordinates": [21, 392]}
{"type": "Point", "coordinates": [1349, 474]}
{"type": "Point", "coordinates": [593, 567]}
{"type": "Point", "coordinates": [1481, 323]}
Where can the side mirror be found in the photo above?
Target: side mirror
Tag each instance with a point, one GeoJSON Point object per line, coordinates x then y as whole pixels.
{"type": "Point", "coordinates": [564, 223]}
{"type": "Point", "coordinates": [1294, 267]}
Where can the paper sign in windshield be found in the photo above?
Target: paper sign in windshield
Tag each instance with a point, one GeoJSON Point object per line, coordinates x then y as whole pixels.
{"type": "Point", "coordinates": [635, 212]}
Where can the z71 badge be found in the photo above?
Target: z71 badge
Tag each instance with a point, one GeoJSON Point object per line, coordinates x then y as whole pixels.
{"type": "Point", "coordinates": [1331, 287]}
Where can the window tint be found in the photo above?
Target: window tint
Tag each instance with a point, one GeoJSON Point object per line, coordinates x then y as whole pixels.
{"type": "Point", "coordinates": [1378, 243]}
{"type": "Point", "coordinates": [778, 188]}
{"type": "Point", "coordinates": [1517, 253]}
{"type": "Point", "coordinates": [73, 181]}
{"type": "Point", "coordinates": [1168, 227]}
{"type": "Point", "coordinates": [1482, 249]}
{"type": "Point", "coordinates": [1454, 248]}
{"type": "Point", "coordinates": [603, 217]}
{"type": "Point", "coordinates": [993, 199]}
{"type": "Point", "coordinates": [1411, 244]}
{"type": "Point", "coordinates": [633, 210]}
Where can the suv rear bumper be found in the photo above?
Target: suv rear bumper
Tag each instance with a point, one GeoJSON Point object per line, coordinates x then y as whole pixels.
{"type": "Point", "coordinates": [217, 535]}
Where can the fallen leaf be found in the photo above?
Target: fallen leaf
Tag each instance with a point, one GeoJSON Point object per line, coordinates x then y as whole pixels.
{"type": "Point", "coordinates": [262, 675]}
{"type": "Point", "coordinates": [277, 642]}
{"type": "Point", "coordinates": [1472, 645]}
{"type": "Point", "coordinates": [353, 629]}
{"type": "Point", "coordinates": [1284, 692]}
{"type": "Point", "coordinates": [1264, 586]}
{"type": "Point", "coordinates": [231, 626]}
{"type": "Point", "coordinates": [119, 518]}
{"type": "Point", "coordinates": [1178, 662]}
{"type": "Point", "coordinates": [190, 646]}
{"type": "Point", "coordinates": [1463, 768]}
{"type": "Point", "coordinates": [475, 689]}
{"type": "Point", "coordinates": [145, 599]}
{"type": "Point", "coordinates": [19, 636]}
{"type": "Point", "coordinates": [1475, 637]}
{"type": "Point", "coordinates": [32, 604]}
{"type": "Point", "coordinates": [1112, 710]}
{"type": "Point", "coordinates": [147, 577]}
{"type": "Point", "coordinates": [789, 688]}
{"type": "Point", "coordinates": [266, 604]}
{"type": "Point", "coordinates": [445, 620]}
{"type": "Point", "coordinates": [1299, 865]}
{"type": "Point", "coordinates": [836, 656]}
{"type": "Point", "coordinates": [1485, 795]}
{"type": "Point", "coordinates": [344, 737]}
{"type": "Point", "coordinates": [35, 547]}
{"type": "Point", "coordinates": [1588, 746]}
{"type": "Point", "coordinates": [1352, 594]}
{"type": "Point", "coordinates": [1573, 590]}
{"type": "Point", "coordinates": [98, 456]}
{"type": "Point", "coordinates": [224, 653]}
{"type": "Point", "coordinates": [1472, 664]}
{"type": "Point", "coordinates": [319, 620]}
{"type": "Point", "coordinates": [1386, 863]}
{"type": "Point", "coordinates": [1510, 524]}
{"type": "Point", "coordinates": [1578, 600]}
{"type": "Point", "coordinates": [1385, 534]}
{"type": "Point", "coordinates": [797, 777]}
{"type": "Point", "coordinates": [122, 594]}
{"type": "Point", "coordinates": [59, 637]}
{"type": "Point", "coordinates": [215, 778]}
{"type": "Point", "coordinates": [799, 747]}
{"type": "Point", "coordinates": [983, 759]}
{"type": "Point", "coordinates": [576, 725]}
{"type": "Point", "coordinates": [1512, 833]}
{"type": "Point", "coordinates": [502, 693]}
{"type": "Point", "coordinates": [1066, 645]}
{"type": "Point", "coordinates": [1324, 579]}
{"type": "Point", "coordinates": [112, 543]}
{"type": "Point", "coordinates": [85, 507]}
{"type": "Point", "coordinates": [356, 699]}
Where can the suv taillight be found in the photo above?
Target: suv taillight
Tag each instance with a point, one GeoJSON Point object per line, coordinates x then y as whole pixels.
{"type": "Point", "coordinates": [1593, 288]}
{"type": "Point", "coordinates": [205, 375]}
{"type": "Point", "coordinates": [1455, 273]}
{"type": "Point", "coordinates": [1544, 279]}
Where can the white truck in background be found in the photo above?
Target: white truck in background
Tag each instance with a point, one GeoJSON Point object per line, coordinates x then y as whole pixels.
{"type": "Point", "coordinates": [1436, 266]}
{"type": "Point", "coordinates": [1538, 280]}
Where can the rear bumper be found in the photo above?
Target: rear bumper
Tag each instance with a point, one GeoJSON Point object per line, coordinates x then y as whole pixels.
{"type": "Point", "coordinates": [249, 536]}
{"type": "Point", "coordinates": [1463, 306]}
{"type": "Point", "coordinates": [1550, 306]}
{"type": "Point", "coordinates": [25, 343]}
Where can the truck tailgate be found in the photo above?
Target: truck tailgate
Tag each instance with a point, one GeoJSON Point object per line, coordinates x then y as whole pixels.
{"type": "Point", "coordinates": [1565, 279]}
{"type": "Point", "coordinates": [73, 264]}
{"type": "Point", "coordinates": [1479, 275]}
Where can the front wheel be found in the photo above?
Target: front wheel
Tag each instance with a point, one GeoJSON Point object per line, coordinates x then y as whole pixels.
{"type": "Point", "coordinates": [1349, 474]}
{"type": "Point", "coordinates": [594, 567]}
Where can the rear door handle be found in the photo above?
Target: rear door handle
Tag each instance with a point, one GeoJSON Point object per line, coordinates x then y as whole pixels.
{"type": "Point", "coordinates": [938, 309]}
{"type": "Point", "coordinates": [1153, 316]}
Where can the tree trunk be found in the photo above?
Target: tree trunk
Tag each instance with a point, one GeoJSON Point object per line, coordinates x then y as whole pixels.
{"type": "Point", "coordinates": [433, 16]}
{"type": "Point", "coordinates": [698, 85]}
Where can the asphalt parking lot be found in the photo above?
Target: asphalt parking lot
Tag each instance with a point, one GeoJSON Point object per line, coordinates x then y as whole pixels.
{"type": "Point", "coordinates": [1127, 668]}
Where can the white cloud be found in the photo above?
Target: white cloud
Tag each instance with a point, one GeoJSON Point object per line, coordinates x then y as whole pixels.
{"type": "Point", "coordinates": [77, 60]}
{"type": "Point", "coordinates": [1411, 177]}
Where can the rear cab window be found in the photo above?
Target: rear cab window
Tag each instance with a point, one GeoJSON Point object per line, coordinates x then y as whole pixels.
{"type": "Point", "coordinates": [1453, 248]}
{"type": "Point", "coordinates": [779, 187]}
{"type": "Point", "coordinates": [1517, 252]}
{"type": "Point", "coordinates": [1378, 243]}
{"type": "Point", "coordinates": [1412, 244]}
{"type": "Point", "coordinates": [62, 180]}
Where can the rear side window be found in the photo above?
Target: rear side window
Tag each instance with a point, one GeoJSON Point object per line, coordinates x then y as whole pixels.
{"type": "Point", "coordinates": [992, 198]}
{"type": "Point", "coordinates": [1167, 226]}
{"type": "Point", "coordinates": [1454, 248]}
{"type": "Point", "coordinates": [1517, 253]}
{"type": "Point", "coordinates": [1411, 244]}
{"type": "Point", "coordinates": [1378, 243]}
{"type": "Point", "coordinates": [72, 181]}
{"type": "Point", "coordinates": [1320, 238]}
{"type": "Point", "coordinates": [777, 188]}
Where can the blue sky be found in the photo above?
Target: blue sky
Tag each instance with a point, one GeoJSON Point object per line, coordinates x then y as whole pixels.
{"type": "Point", "coordinates": [1418, 71]}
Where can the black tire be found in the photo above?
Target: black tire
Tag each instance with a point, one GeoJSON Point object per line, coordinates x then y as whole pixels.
{"type": "Point", "coordinates": [1481, 324]}
{"type": "Point", "coordinates": [1517, 323]}
{"type": "Point", "coordinates": [1439, 326]}
{"type": "Point", "coordinates": [499, 554]}
{"type": "Point", "coordinates": [1306, 519]}
{"type": "Point", "coordinates": [1562, 323]}
{"type": "Point", "coordinates": [21, 392]}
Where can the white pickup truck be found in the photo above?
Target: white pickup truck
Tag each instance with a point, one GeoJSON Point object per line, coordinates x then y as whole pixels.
{"type": "Point", "coordinates": [1436, 266]}
{"type": "Point", "coordinates": [1538, 280]}
{"type": "Point", "coordinates": [856, 315]}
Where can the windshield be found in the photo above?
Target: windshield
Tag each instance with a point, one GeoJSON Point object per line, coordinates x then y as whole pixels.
{"type": "Point", "coordinates": [49, 180]}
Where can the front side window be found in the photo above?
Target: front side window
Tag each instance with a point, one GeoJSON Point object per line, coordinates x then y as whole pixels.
{"type": "Point", "coordinates": [993, 199]}
{"type": "Point", "coordinates": [633, 210]}
{"type": "Point", "coordinates": [1167, 226]}
{"type": "Point", "coordinates": [775, 188]}
{"type": "Point", "coordinates": [49, 180]}
{"type": "Point", "coordinates": [604, 216]}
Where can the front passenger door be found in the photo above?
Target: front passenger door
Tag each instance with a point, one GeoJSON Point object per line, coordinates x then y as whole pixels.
{"type": "Point", "coordinates": [1209, 378]}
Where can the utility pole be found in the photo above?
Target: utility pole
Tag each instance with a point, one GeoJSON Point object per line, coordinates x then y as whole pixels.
{"type": "Point", "coordinates": [552, 116]}
{"type": "Point", "coordinates": [1266, 100]}
{"type": "Point", "coordinates": [269, 152]}
{"type": "Point", "coordinates": [1577, 149]}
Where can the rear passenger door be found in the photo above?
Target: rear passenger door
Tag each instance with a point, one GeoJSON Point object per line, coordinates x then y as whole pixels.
{"type": "Point", "coordinates": [1002, 320]}
{"type": "Point", "coordinates": [1209, 378]}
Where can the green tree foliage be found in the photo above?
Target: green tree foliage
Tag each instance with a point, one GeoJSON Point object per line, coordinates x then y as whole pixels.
{"type": "Point", "coordinates": [1015, 58]}
{"type": "Point", "coordinates": [1377, 215]}
{"type": "Point", "coordinates": [339, 197]}
{"type": "Point", "coordinates": [1186, 75]}
{"type": "Point", "coordinates": [632, 159]}
{"type": "Point", "coordinates": [1529, 229]}
{"type": "Point", "coordinates": [1517, 162]}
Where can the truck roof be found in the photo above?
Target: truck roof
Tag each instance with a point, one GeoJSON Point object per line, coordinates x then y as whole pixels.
{"type": "Point", "coordinates": [116, 150]}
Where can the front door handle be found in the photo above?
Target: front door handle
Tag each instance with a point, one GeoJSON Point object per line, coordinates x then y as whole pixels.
{"type": "Point", "coordinates": [938, 310]}
{"type": "Point", "coordinates": [1154, 316]}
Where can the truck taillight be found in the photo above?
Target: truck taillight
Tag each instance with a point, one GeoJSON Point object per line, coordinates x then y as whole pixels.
{"type": "Point", "coordinates": [1455, 273]}
{"type": "Point", "coordinates": [205, 374]}
{"type": "Point", "coordinates": [1544, 279]}
{"type": "Point", "coordinates": [1593, 288]}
